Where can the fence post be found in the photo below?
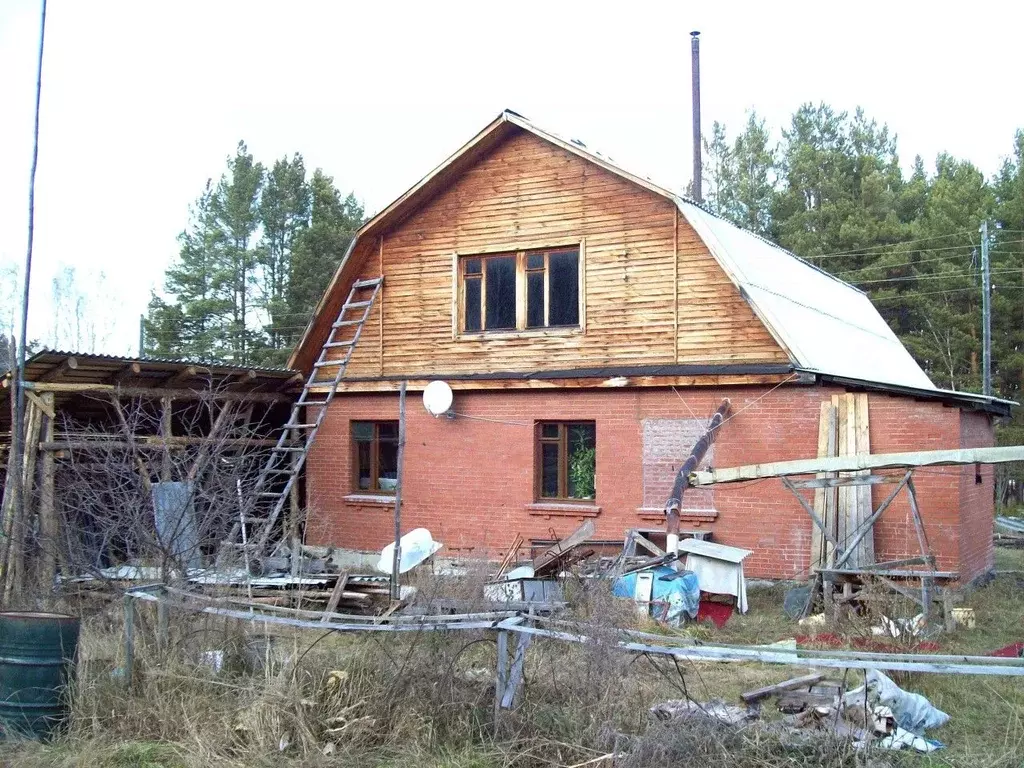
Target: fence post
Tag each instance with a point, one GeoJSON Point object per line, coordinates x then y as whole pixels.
{"type": "Point", "coordinates": [129, 638]}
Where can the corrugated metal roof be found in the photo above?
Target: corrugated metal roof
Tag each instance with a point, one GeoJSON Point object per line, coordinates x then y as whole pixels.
{"type": "Point", "coordinates": [41, 355]}
{"type": "Point", "coordinates": [826, 325]}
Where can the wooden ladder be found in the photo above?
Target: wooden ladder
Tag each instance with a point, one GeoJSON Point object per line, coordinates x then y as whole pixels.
{"type": "Point", "coordinates": [269, 496]}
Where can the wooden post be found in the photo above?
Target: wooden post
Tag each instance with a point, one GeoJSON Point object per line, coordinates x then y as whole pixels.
{"type": "Point", "coordinates": [501, 676]}
{"type": "Point", "coordinates": [166, 431]}
{"type": "Point", "coordinates": [396, 592]}
{"type": "Point", "coordinates": [129, 638]}
{"type": "Point", "coordinates": [162, 623]}
{"type": "Point", "coordinates": [49, 525]}
{"type": "Point", "coordinates": [293, 517]}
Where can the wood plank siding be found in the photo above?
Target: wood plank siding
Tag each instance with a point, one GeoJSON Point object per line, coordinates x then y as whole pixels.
{"type": "Point", "coordinates": [653, 294]}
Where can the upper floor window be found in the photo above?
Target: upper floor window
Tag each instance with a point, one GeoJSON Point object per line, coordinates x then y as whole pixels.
{"type": "Point", "coordinates": [525, 290]}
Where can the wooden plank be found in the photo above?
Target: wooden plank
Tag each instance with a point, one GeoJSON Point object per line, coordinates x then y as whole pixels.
{"type": "Point", "coordinates": [336, 593]}
{"type": "Point", "coordinates": [839, 482]}
{"type": "Point", "coordinates": [804, 681]}
{"type": "Point", "coordinates": [845, 524]}
{"type": "Point", "coordinates": [862, 493]}
{"type": "Point", "coordinates": [897, 573]}
{"type": "Point", "coordinates": [574, 539]}
{"type": "Point", "coordinates": [826, 443]}
{"type": "Point", "coordinates": [954, 457]}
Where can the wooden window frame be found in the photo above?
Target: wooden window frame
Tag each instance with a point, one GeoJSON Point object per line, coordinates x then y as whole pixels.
{"type": "Point", "coordinates": [374, 442]}
{"type": "Point", "coordinates": [562, 441]}
{"type": "Point", "coordinates": [521, 255]}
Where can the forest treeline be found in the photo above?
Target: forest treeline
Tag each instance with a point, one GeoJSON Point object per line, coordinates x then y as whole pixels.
{"type": "Point", "coordinates": [262, 242]}
{"type": "Point", "coordinates": [260, 247]}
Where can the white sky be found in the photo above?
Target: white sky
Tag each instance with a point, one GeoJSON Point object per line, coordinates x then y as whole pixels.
{"type": "Point", "coordinates": [143, 101]}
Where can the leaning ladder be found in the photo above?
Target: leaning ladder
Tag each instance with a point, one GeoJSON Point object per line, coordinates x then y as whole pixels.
{"type": "Point", "coordinates": [288, 456]}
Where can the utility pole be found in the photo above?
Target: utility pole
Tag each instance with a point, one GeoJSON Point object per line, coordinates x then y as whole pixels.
{"type": "Point", "coordinates": [986, 315]}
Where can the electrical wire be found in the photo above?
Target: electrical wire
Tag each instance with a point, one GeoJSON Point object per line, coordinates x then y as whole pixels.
{"type": "Point", "coordinates": [868, 250]}
{"type": "Point", "coordinates": [938, 276]}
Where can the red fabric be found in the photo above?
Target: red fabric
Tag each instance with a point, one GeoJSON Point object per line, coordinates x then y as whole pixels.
{"type": "Point", "coordinates": [717, 613]}
{"type": "Point", "coordinates": [860, 643]}
{"type": "Point", "coordinates": [1012, 651]}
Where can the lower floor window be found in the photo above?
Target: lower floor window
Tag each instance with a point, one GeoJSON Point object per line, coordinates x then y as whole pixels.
{"type": "Point", "coordinates": [566, 460]}
{"type": "Point", "coordinates": [375, 451]}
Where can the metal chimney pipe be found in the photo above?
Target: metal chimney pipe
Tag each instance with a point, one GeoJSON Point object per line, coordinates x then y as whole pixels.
{"type": "Point", "coordinates": [698, 182]}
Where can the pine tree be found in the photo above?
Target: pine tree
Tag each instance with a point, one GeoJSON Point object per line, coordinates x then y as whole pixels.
{"type": "Point", "coordinates": [755, 171]}
{"type": "Point", "coordinates": [284, 212]}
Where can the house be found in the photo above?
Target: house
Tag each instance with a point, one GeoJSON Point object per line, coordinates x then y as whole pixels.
{"type": "Point", "coordinates": [590, 322]}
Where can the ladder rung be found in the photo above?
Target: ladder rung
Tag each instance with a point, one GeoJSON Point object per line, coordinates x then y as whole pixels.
{"type": "Point", "coordinates": [333, 344]}
{"type": "Point", "coordinates": [269, 494]}
{"type": "Point", "coordinates": [280, 472]}
{"type": "Point", "coordinates": [328, 363]}
{"type": "Point", "coordinates": [288, 448]}
{"type": "Point", "coordinates": [340, 323]}
{"type": "Point", "coordinates": [356, 305]}
{"type": "Point", "coordinates": [373, 282]}
{"type": "Point", "coordinates": [314, 402]}
{"type": "Point", "coordinates": [298, 426]}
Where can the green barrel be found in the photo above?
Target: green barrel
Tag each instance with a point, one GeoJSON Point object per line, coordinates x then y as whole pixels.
{"type": "Point", "coordinates": [38, 653]}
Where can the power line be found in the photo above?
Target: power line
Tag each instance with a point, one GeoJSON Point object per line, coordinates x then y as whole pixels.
{"type": "Point", "coordinates": [939, 276]}
{"type": "Point", "coordinates": [868, 250]}
{"type": "Point", "coordinates": [891, 266]}
{"type": "Point", "coordinates": [915, 294]}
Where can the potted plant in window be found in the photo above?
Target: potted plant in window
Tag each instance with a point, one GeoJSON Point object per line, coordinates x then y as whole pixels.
{"type": "Point", "coordinates": [582, 469]}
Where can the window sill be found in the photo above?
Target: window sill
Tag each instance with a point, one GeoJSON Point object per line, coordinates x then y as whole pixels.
{"type": "Point", "coordinates": [378, 499]}
{"type": "Point", "coordinates": [531, 333]}
{"type": "Point", "coordinates": [548, 510]}
{"type": "Point", "coordinates": [694, 516]}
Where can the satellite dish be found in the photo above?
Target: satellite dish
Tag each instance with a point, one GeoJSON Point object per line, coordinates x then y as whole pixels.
{"type": "Point", "coordinates": [437, 398]}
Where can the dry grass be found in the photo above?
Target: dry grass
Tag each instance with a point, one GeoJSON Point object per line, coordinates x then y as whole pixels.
{"type": "Point", "coordinates": [426, 699]}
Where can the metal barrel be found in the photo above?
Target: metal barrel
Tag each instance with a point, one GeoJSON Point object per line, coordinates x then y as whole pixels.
{"type": "Point", "coordinates": [38, 654]}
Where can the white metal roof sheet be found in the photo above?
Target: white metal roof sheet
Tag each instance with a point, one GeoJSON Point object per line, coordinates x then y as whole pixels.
{"type": "Point", "coordinates": [825, 324]}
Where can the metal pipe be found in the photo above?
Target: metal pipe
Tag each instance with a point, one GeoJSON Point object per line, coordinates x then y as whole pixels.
{"type": "Point", "coordinates": [698, 181]}
{"type": "Point", "coordinates": [682, 482]}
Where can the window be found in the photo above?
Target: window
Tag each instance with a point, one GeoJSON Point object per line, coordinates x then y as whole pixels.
{"type": "Point", "coordinates": [375, 451]}
{"type": "Point", "coordinates": [526, 290]}
{"type": "Point", "coordinates": [566, 460]}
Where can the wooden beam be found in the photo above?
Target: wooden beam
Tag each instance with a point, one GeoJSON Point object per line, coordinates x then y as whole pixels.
{"type": "Point", "coordinates": [154, 443]}
{"type": "Point", "coordinates": [574, 539]}
{"type": "Point", "coordinates": [838, 482]}
{"type": "Point", "coordinates": [613, 381]}
{"type": "Point", "coordinates": [867, 527]}
{"type": "Point", "coordinates": [179, 378]}
{"type": "Point", "coordinates": [44, 403]}
{"type": "Point", "coordinates": [787, 685]}
{"type": "Point", "coordinates": [68, 364]}
{"type": "Point", "coordinates": [290, 383]}
{"type": "Point", "coordinates": [861, 461]}
{"type": "Point", "coordinates": [128, 372]}
{"type": "Point", "coordinates": [49, 523]}
{"type": "Point", "coordinates": [336, 593]}
{"type": "Point", "coordinates": [895, 573]}
{"type": "Point", "coordinates": [158, 392]}
{"type": "Point", "coordinates": [829, 536]}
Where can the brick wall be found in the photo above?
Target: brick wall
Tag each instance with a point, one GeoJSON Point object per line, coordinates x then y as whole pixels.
{"type": "Point", "coordinates": [977, 500]}
{"type": "Point", "coordinates": [470, 480]}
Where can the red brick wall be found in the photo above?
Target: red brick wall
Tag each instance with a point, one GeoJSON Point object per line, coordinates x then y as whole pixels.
{"type": "Point", "coordinates": [470, 480]}
{"type": "Point", "coordinates": [977, 500]}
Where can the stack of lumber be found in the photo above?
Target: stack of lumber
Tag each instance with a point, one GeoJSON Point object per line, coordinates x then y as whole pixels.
{"type": "Point", "coordinates": [843, 430]}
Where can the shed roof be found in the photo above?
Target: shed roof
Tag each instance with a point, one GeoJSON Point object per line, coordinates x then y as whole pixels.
{"type": "Point", "coordinates": [824, 324]}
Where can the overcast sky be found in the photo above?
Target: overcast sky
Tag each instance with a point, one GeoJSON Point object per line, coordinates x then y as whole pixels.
{"type": "Point", "coordinates": [143, 101]}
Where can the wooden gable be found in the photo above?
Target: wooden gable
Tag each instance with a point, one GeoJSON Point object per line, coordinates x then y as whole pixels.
{"type": "Point", "coordinates": [653, 293]}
